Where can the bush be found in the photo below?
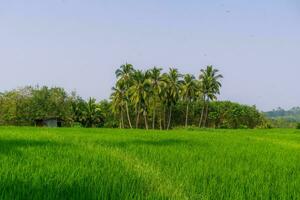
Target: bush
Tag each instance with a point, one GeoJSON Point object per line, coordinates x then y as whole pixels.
{"type": "Point", "coordinates": [77, 125]}
{"type": "Point", "coordinates": [298, 126]}
{"type": "Point", "coordinates": [243, 127]}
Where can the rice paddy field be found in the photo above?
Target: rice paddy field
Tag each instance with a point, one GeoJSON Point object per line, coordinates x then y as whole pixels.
{"type": "Point", "coordinates": [75, 163]}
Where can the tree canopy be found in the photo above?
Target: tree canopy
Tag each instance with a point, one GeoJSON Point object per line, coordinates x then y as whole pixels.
{"type": "Point", "coordinates": [140, 99]}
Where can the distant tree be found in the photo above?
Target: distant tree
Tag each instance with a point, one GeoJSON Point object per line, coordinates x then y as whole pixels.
{"type": "Point", "coordinates": [172, 91]}
{"type": "Point", "coordinates": [118, 98]}
{"type": "Point", "coordinates": [108, 116]}
{"type": "Point", "coordinates": [156, 84]}
{"type": "Point", "coordinates": [139, 93]}
{"type": "Point", "coordinates": [124, 75]}
{"type": "Point", "coordinates": [164, 99]}
{"type": "Point", "coordinates": [78, 106]}
{"type": "Point", "coordinates": [92, 114]}
{"type": "Point", "coordinates": [210, 87]}
{"type": "Point", "coordinates": [226, 114]}
{"type": "Point", "coordinates": [51, 103]}
{"type": "Point", "coordinates": [9, 107]}
{"type": "Point", "coordinates": [189, 89]}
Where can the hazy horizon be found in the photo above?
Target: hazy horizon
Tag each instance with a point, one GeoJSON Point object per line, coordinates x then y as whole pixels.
{"type": "Point", "coordinates": [78, 45]}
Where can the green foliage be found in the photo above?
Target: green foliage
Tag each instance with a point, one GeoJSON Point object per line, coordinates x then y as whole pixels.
{"type": "Point", "coordinates": [77, 163]}
{"type": "Point", "coordinates": [223, 114]}
{"type": "Point", "coordinates": [50, 103]}
{"type": "Point", "coordinates": [92, 115]}
{"type": "Point", "coordinates": [282, 123]}
{"type": "Point", "coordinates": [232, 115]}
{"type": "Point", "coordinates": [292, 114]}
{"type": "Point", "coordinates": [139, 98]}
{"type": "Point", "coordinates": [24, 106]}
{"type": "Point", "coordinates": [281, 118]}
{"type": "Point", "coordinates": [108, 116]}
{"type": "Point", "coordinates": [165, 98]}
{"type": "Point", "coordinates": [298, 126]}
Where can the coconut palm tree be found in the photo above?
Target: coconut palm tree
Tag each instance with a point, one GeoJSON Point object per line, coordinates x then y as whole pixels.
{"type": "Point", "coordinates": [124, 74]}
{"type": "Point", "coordinates": [92, 113]}
{"type": "Point", "coordinates": [164, 102]}
{"type": "Point", "coordinates": [118, 101]}
{"type": "Point", "coordinates": [210, 87]}
{"type": "Point", "coordinates": [188, 92]}
{"type": "Point", "coordinates": [139, 95]}
{"type": "Point", "coordinates": [156, 83]}
{"type": "Point", "coordinates": [172, 90]}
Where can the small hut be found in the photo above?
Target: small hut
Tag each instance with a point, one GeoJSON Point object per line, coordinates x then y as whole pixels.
{"type": "Point", "coordinates": [49, 122]}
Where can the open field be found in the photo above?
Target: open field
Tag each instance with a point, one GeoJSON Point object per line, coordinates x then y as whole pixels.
{"type": "Point", "coordinates": [135, 164]}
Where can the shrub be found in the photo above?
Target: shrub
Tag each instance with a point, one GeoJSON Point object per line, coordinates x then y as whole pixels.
{"type": "Point", "coordinates": [298, 126]}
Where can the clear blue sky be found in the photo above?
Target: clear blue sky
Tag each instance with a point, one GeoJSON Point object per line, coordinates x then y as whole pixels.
{"type": "Point", "coordinates": [78, 44]}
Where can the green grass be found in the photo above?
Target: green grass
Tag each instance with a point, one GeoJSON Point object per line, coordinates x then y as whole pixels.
{"type": "Point", "coordinates": [39, 163]}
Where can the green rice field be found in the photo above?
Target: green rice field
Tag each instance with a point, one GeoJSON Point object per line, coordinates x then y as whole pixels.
{"type": "Point", "coordinates": [77, 163]}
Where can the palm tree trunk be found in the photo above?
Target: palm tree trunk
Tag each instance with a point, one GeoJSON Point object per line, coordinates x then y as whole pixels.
{"type": "Point", "coordinates": [164, 116]}
{"type": "Point", "coordinates": [170, 117]}
{"type": "Point", "coordinates": [120, 123]}
{"type": "Point", "coordinates": [146, 122]}
{"type": "Point", "coordinates": [153, 120]}
{"type": "Point", "coordinates": [206, 114]}
{"type": "Point", "coordinates": [201, 117]}
{"type": "Point", "coordinates": [137, 120]}
{"type": "Point", "coordinates": [186, 114]}
{"type": "Point", "coordinates": [160, 119]}
{"type": "Point", "coordinates": [128, 117]}
{"type": "Point", "coordinates": [122, 119]}
{"type": "Point", "coordinates": [154, 113]}
{"type": "Point", "coordinates": [137, 117]}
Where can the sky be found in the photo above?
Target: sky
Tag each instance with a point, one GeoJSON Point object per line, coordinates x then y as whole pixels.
{"type": "Point", "coordinates": [78, 44]}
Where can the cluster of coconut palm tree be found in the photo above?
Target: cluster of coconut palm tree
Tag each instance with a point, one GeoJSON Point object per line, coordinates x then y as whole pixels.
{"type": "Point", "coordinates": [151, 95]}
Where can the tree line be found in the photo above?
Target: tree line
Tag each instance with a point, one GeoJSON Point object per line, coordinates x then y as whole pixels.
{"type": "Point", "coordinates": [281, 118]}
{"type": "Point", "coordinates": [25, 106]}
{"type": "Point", "coordinates": [152, 92]}
{"type": "Point", "coordinates": [147, 99]}
{"type": "Point", "coordinates": [151, 98]}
